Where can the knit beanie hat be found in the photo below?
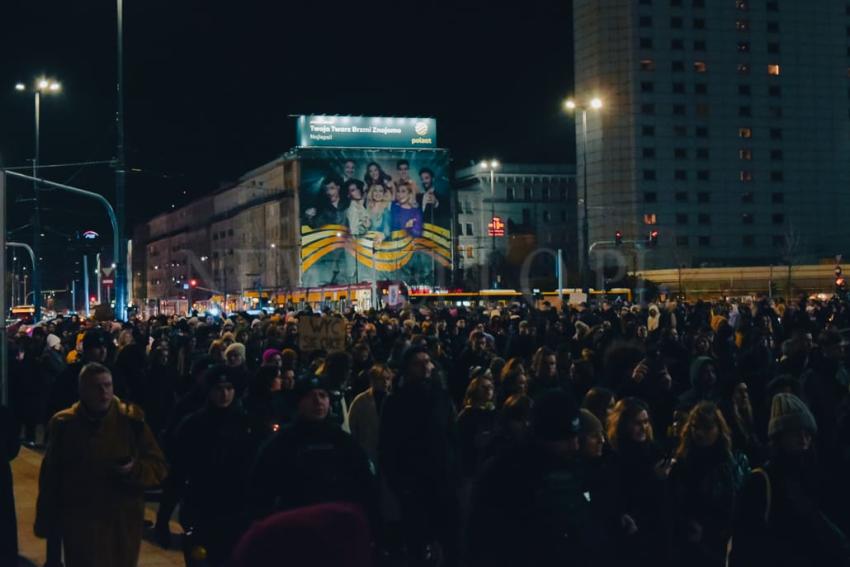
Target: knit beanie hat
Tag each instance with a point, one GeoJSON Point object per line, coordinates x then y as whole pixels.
{"type": "Point", "coordinates": [238, 347]}
{"type": "Point", "coordinates": [788, 412]}
{"type": "Point", "coordinates": [268, 353]}
{"type": "Point", "coordinates": [590, 424]}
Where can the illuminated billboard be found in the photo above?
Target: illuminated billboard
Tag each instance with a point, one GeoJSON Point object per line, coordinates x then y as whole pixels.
{"type": "Point", "coordinates": [369, 215]}
{"type": "Point", "coordinates": [329, 131]}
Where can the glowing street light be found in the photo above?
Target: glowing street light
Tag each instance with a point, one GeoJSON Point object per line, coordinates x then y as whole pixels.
{"type": "Point", "coordinates": [596, 104]}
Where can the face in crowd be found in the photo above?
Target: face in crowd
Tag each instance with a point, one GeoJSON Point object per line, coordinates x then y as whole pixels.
{"type": "Point", "coordinates": [314, 405]}
{"type": "Point", "coordinates": [96, 392]}
{"type": "Point", "coordinates": [221, 395]}
{"type": "Point", "coordinates": [639, 427]}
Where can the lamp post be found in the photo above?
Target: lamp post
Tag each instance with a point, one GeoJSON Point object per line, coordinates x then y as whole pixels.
{"type": "Point", "coordinates": [491, 166]}
{"type": "Point", "coordinates": [572, 106]}
{"type": "Point", "coordinates": [41, 86]}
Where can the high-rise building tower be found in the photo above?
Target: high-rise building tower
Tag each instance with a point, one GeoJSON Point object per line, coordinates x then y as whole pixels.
{"type": "Point", "coordinates": [725, 127]}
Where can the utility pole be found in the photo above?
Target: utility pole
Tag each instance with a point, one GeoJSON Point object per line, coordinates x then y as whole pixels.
{"type": "Point", "coordinates": [86, 283]}
{"type": "Point", "coordinates": [121, 260]}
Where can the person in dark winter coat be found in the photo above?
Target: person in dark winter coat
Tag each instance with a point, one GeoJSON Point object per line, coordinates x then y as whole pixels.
{"type": "Point", "coordinates": [210, 466]}
{"type": "Point", "coordinates": [779, 520]}
{"type": "Point", "coordinates": [418, 452]}
{"type": "Point", "coordinates": [643, 470]}
{"type": "Point", "coordinates": [311, 461]}
{"type": "Point", "coordinates": [63, 393]}
{"type": "Point", "coordinates": [529, 506]}
{"type": "Point", "coordinates": [9, 446]}
{"type": "Point", "coordinates": [704, 481]}
{"type": "Point", "coordinates": [703, 376]}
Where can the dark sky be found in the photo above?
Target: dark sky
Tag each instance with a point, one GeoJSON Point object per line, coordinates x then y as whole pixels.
{"type": "Point", "coordinates": [210, 86]}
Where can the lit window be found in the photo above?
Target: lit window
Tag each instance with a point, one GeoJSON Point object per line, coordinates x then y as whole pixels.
{"type": "Point", "coordinates": [745, 154]}
{"type": "Point", "coordinates": [746, 176]}
{"type": "Point", "coordinates": [700, 66]}
{"type": "Point", "coordinates": [773, 69]}
{"type": "Point", "coordinates": [647, 65]}
{"type": "Point", "coordinates": [745, 132]}
{"type": "Point", "coordinates": [470, 252]}
{"type": "Point", "coordinates": [649, 218]}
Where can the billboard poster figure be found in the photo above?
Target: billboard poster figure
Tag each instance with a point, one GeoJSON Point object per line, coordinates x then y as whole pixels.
{"type": "Point", "coordinates": [351, 206]}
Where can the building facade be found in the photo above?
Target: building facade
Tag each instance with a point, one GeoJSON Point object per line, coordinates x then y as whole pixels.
{"type": "Point", "coordinates": [535, 210]}
{"type": "Point", "coordinates": [724, 126]}
{"type": "Point", "coordinates": [240, 239]}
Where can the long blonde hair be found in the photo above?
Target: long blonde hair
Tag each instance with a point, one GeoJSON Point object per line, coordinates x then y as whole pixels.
{"type": "Point", "coordinates": [471, 398]}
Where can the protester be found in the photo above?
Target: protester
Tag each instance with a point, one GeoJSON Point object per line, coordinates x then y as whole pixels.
{"type": "Point", "coordinates": [100, 457]}
{"type": "Point", "coordinates": [9, 446]}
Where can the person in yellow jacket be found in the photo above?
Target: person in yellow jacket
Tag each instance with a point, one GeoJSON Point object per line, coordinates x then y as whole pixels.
{"type": "Point", "coordinates": [100, 457]}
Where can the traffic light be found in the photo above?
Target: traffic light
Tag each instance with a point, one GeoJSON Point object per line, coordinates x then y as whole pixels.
{"type": "Point", "coordinates": [840, 282]}
{"type": "Point", "coordinates": [193, 283]}
{"type": "Point", "coordinates": [652, 239]}
{"type": "Point", "coordinates": [618, 238]}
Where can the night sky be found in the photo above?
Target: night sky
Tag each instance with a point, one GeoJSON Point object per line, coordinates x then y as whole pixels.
{"type": "Point", "coordinates": [210, 87]}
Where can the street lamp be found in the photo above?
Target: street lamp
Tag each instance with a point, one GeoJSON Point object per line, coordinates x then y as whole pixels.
{"type": "Point", "coordinates": [491, 166]}
{"type": "Point", "coordinates": [42, 85]}
{"type": "Point", "coordinates": [571, 106]}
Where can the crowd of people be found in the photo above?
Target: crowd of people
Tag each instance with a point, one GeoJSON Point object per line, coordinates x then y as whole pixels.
{"type": "Point", "coordinates": [675, 433]}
